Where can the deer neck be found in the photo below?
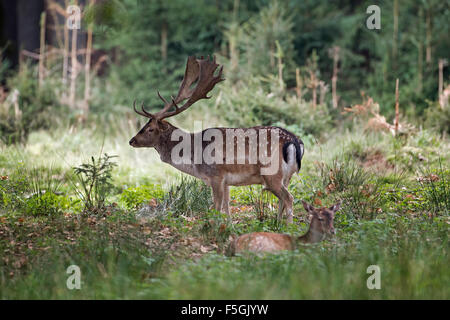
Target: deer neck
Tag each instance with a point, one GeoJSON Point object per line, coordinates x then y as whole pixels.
{"type": "Point", "coordinates": [165, 146]}
{"type": "Point", "coordinates": [311, 236]}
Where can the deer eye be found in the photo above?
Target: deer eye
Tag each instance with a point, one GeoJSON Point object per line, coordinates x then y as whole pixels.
{"type": "Point", "coordinates": [151, 130]}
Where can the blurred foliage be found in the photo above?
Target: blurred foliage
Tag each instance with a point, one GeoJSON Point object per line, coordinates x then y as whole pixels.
{"type": "Point", "coordinates": [260, 43]}
{"type": "Point", "coordinates": [245, 35]}
{"type": "Point", "coordinates": [438, 118]}
{"type": "Point", "coordinates": [28, 107]}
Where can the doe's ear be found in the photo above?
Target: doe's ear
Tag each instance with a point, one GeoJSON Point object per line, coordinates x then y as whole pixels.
{"type": "Point", "coordinates": [309, 208]}
{"type": "Point", "coordinates": [336, 207]}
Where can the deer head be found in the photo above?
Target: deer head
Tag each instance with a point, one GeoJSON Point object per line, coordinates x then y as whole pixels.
{"type": "Point", "coordinates": [199, 71]}
{"type": "Point", "coordinates": [322, 221]}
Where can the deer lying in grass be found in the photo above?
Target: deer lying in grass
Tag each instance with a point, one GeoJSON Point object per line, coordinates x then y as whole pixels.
{"type": "Point", "coordinates": [242, 159]}
{"type": "Point", "coordinates": [320, 227]}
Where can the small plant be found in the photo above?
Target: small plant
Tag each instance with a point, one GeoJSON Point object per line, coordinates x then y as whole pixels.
{"type": "Point", "coordinates": [94, 180]}
{"type": "Point", "coordinates": [188, 197]}
{"type": "Point", "coordinates": [134, 197]}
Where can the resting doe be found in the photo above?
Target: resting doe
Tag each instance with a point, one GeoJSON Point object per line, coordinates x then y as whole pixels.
{"type": "Point", "coordinates": [320, 227]}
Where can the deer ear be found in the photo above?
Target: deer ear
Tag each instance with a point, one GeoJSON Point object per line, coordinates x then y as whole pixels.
{"type": "Point", "coordinates": [309, 208]}
{"type": "Point", "coordinates": [163, 126]}
{"type": "Point", "coordinates": [336, 207]}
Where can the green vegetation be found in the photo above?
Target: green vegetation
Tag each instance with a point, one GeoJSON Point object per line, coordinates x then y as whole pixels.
{"type": "Point", "coordinates": [161, 241]}
{"type": "Point", "coordinates": [73, 192]}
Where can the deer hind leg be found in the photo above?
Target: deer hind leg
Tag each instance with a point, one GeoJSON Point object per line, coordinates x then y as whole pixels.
{"type": "Point", "coordinates": [285, 198]}
{"type": "Point", "coordinates": [287, 179]}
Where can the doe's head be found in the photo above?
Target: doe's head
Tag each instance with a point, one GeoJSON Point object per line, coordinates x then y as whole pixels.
{"type": "Point", "coordinates": [322, 218]}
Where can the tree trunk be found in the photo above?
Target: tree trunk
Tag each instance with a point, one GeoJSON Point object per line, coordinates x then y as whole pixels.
{"type": "Point", "coordinates": [335, 76]}
{"type": "Point", "coordinates": [42, 51]}
{"type": "Point", "coordinates": [164, 28]}
{"type": "Point", "coordinates": [420, 53]}
{"type": "Point", "coordinates": [74, 71]}
{"type": "Point", "coordinates": [28, 26]}
{"type": "Point", "coordinates": [298, 87]}
{"type": "Point", "coordinates": [397, 111]}
{"type": "Point", "coordinates": [87, 69]}
{"type": "Point", "coordinates": [65, 55]}
{"type": "Point", "coordinates": [395, 35]}
{"type": "Point", "coordinates": [442, 63]}
{"type": "Point", "coordinates": [428, 37]}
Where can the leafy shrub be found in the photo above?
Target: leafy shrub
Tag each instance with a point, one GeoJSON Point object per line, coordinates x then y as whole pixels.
{"type": "Point", "coordinates": [94, 179]}
{"type": "Point", "coordinates": [46, 204]}
{"type": "Point", "coordinates": [12, 191]}
{"type": "Point", "coordinates": [133, 197]}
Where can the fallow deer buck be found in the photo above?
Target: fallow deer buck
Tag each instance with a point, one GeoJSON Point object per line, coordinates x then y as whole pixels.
{"type": "Point", "coordinates": [320, 227]}
{"type": "Point", "coordinates": [242, 160]}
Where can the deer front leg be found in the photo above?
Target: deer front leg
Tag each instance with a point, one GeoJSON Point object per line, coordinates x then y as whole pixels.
{"type": "Point", "coordinates": [280, 209]}
{"type": "Point", "coordinates": [226, 200]}
{"type": "Point", "coordinates": [218, 194]}
{"type": "Point", "coordinates": [288, 200]}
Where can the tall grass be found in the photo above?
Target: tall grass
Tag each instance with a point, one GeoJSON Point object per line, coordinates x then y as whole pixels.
{"type": "Point", "coordinates": [412, 256]}
{"type": "Point", "coordinates": [436, 188]}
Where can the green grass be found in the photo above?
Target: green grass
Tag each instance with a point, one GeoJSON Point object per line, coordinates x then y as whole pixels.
{"type": "Point", "coordinates": [116, 263]}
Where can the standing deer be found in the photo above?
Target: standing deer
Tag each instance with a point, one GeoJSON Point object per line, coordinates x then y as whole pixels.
{"type": "Point", "coordinates": [236, 162]}
{"type": "Point", "coordinates": [320, 227]}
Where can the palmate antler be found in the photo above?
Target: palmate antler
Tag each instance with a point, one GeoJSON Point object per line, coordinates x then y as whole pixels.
{"type": "Point", "coordinates": [200, 70]}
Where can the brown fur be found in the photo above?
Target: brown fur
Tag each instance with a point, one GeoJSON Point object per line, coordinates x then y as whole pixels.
{"type": "Point", "coordinates": [267, 242]}
{"type": "Point", "coordinates": [157, 133]}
